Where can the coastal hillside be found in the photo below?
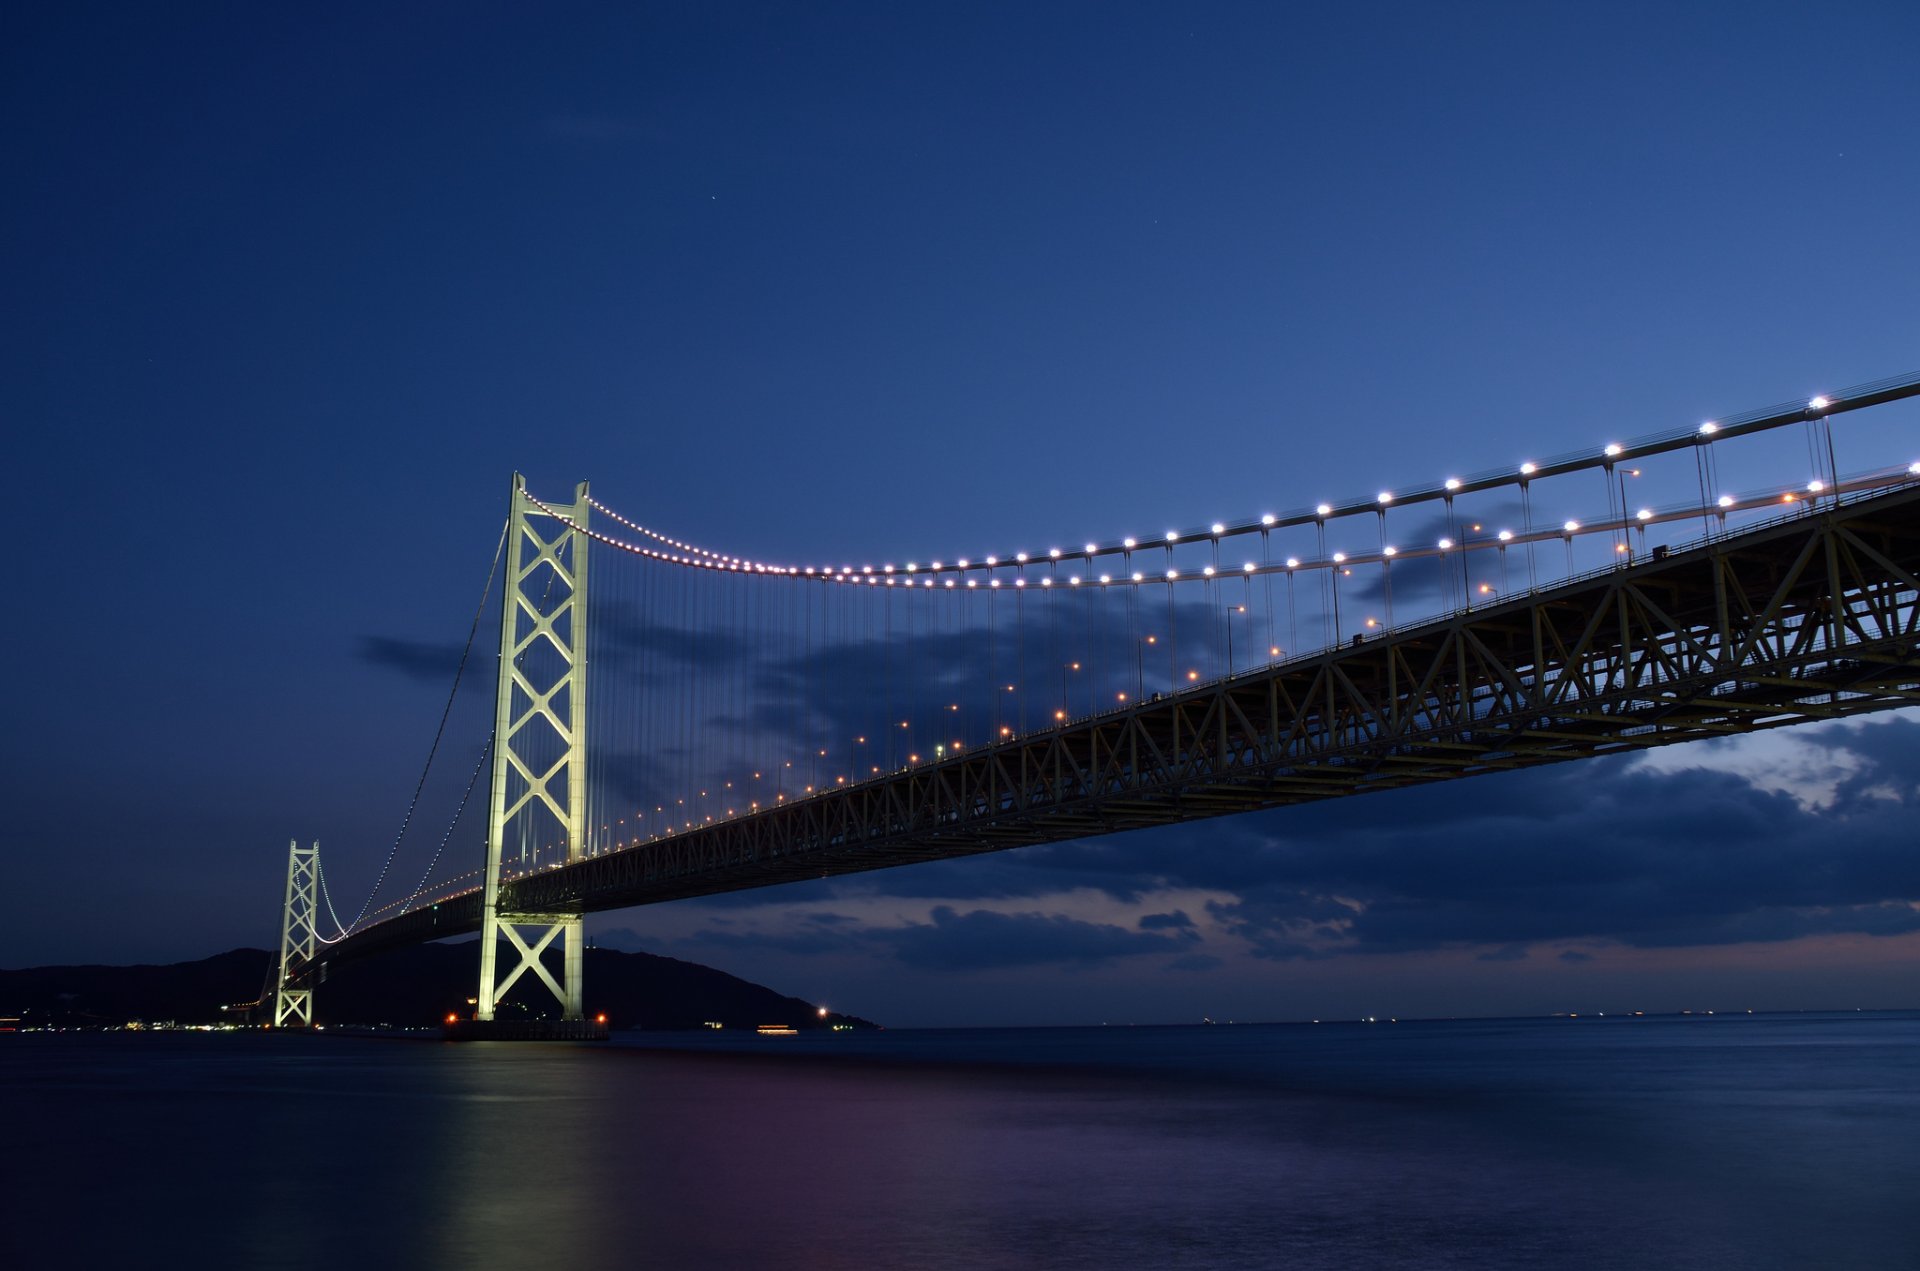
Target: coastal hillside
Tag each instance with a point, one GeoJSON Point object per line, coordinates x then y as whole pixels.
{"type": "Point", "coordinates": [414, 987]}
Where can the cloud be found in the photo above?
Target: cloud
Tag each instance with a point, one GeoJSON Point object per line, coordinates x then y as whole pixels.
{"type": "Point", "coordinates": [1505, 953]}
{"type": "Point", "coordinates": [424, 660]}
{"type": "Point", "coordinates": [1612, 850]}
{"type": "Point", "coordinates": [949, 940]}
{"type": "Point", "coordinates": [985, 938]}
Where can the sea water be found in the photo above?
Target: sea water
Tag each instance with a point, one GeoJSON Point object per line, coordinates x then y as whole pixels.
{"type": "Point", "coordinates": [1762, 1141]}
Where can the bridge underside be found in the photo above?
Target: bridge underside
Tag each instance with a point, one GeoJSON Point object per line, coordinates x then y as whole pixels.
{"type": "Point", "coordinates": [1812, 618]}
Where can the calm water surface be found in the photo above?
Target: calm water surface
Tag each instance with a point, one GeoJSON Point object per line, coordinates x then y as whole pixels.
{"type": "Point", "coordinates": [1699, 1142]}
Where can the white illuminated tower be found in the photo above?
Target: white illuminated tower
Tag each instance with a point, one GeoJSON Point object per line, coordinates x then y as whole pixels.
{"type": "Point", "coordinates": [293, 1006]}
{"type": "Point", "coordinates": [539, 739]}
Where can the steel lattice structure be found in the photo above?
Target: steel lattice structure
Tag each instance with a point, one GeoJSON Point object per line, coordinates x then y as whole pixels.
{"type": "Point", "coordinates": [293, 995]}
{"type": "Point", "coordinates": [1815, 616]}
{"type": "Point", "coordinates": [539, 739]}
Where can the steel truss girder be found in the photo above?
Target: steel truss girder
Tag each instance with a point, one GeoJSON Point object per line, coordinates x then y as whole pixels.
{"type": "Point", "coordinates": [1812, 618]}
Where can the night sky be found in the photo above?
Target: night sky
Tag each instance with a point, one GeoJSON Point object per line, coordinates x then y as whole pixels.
{"type": "Point", "coordinates": [291, 296]}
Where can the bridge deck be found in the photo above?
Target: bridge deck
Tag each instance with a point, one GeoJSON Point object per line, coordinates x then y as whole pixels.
{"type": "Point", "coordinates": [1814, 617]}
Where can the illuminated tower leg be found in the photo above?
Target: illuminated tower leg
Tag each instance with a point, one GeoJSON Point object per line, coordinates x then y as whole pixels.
{"type": "Point", "coordinates": [291, 1005]}
{"type": "Point", "coordinates": [540, 733]}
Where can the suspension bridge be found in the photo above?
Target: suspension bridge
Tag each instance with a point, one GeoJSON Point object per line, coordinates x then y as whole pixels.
{"type": "Point", "coordinates": [758, 721]}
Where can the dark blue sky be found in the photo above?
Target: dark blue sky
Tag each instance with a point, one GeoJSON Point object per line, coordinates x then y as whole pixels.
{"type": "Point", "coordinates": [290, 297]}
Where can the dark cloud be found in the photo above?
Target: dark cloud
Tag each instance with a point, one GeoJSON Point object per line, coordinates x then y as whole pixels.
{"type": "Point", "coordinates": [953, 941]}
{"type": "Point", "coordinates": [828, 919]}
{"type": "Point", "coordinates": [1162, 922]}
{"type": "Point", "coordinates": [1573, 957]}
{"type": "Point", "coordinates": [984, 938]}
{"type": "Point", "coordinates": [1594, 850]}
{"type": "Point", "coordinates": [1505, 953]}
{"type": "Point", "coordinates": [424, 660]}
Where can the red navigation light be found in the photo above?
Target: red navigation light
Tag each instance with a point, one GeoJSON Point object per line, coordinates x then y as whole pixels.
{"type": "Point", "coordinates": [601, 1018]}
{"type": "Point", "coordinates": [452, 1018]}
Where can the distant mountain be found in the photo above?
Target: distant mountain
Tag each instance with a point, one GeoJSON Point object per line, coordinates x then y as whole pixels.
{"type": "Point", "coordinates": [413, 987]}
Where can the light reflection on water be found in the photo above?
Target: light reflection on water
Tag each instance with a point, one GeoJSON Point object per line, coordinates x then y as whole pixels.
{"type": "Point", "coordinates": [1772, 1142]}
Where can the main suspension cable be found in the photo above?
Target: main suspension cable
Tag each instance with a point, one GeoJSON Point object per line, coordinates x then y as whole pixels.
{"type": "Point", "coordinates": [412, 804]}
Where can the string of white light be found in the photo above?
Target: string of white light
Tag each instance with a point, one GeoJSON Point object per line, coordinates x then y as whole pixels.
{"type": "Point", "coordinates": [1523, 474]}
{"type": "Point", "coordinates": [913, 576]}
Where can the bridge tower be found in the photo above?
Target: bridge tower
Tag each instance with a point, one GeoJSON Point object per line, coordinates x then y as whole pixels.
{"type": "Point", "coordinates": [294, 1006]}
{"type": "Point", "coordinates": [539, 738]}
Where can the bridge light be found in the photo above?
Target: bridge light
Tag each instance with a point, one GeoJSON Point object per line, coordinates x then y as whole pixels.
{"type": "Point", "coordinates": [1046, 582]}
{"type": "Point", "coordinates": [1172, 574]}
{"type": "Point", "coordinates": [1506, 536]}
{"type": "Point", "coordinates": [1019, 582]}
{"type": "Point", "coordinates": [992, 561]}
{"type": "Point", "coordinates": [1323, 510]}
{"type": "Point", "coordinates": [1273, 650]}
{"type": "Point", "coordinates": [963, 562]}
{"type": "Point", "coordinates": [1073, 580]}
{"type": "Point", "coordinates": [1293, 562]}
{"type": "Point", "coordinates": [1127, 543]}
{"type": "Point", "coordinates": [1913, 469]}
{"type": "Point", "coordinates": [1053, 553]}
{"type": "Point", "coordinates": [1268, 519]}
{"type": "Point", "coordinates": [1814, 487]}
{"type": "Point", "coordinates": [1709, 428]}
{"type": "Point", "coordinates": [1207, 570]}
{"type": "Point", "coordinates": [1192, 675]}
{"type": "Point", "coordinates": [1384, 497]}
{"type": "Point", "coordinates": [1613, 450]}
{"type": "Point", "coordinates": [1389, 551]}
{"type": "Point", "coordinates": [1250, 567]}
{"type": "Point", "coordinates": [1020, 557]}
{"type": "Point", "coordinates": [1338, 557]}
{"type": "Point", "coordinates": [1644, 514]}
{"type": "Point", "coordinates": [1453, 483]}
{"type": "Point", "coordinates": [1090, 548]}
{"type": "Point", "coordinates": [1173, 536]}
{"type": "Point", "coordinates": [1725, 500]}
{"type": "Point", "coordinates": [1527, 469]}
{"type": "Point", "coordinates": [1218, 528]}
{"type": "Point", "coordinates": [1571, 527]}
{"type": "Point", "coordinates": [1137, 575]}
{"type": "Point", "coordinates": [1106, 578]}
{"type": "Point", "coordinates": [1819, 403]}
{"type": "Point", "coordinates": [1446, 544]}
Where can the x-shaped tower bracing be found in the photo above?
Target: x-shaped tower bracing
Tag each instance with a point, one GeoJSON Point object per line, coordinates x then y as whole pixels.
{"type": "Point", "coordinates": [539, 737]}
